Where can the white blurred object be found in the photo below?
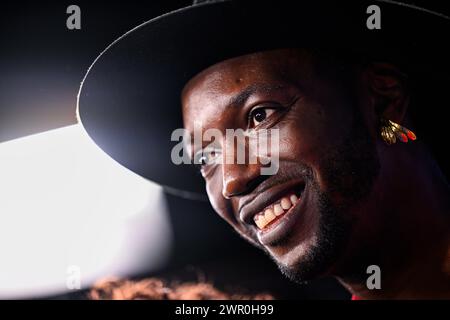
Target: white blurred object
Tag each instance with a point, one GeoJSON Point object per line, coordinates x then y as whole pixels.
{"type": "Point", "coordinates": [65, 206]}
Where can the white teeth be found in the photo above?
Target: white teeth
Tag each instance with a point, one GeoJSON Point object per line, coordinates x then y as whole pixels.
{"type": "Point", "coordinates": [269, 215]}
{"type": "Point", "coordinates": [293, 199]}
{"type": "Point", "coordinates": [278, 209]}
{"type": "Point", "coordinates": [286, 203]}
{"type": "Point", "coordinates": [260, 221]}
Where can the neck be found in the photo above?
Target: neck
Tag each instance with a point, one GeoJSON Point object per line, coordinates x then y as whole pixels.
{"type": "Point", "coordinates": [411, 244]}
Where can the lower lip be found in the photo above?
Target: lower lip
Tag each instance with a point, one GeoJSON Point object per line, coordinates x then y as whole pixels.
{"type": "Point", "coordinates": [284, 225]}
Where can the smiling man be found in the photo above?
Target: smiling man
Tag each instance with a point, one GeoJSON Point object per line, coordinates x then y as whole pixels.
{"type": "Point", "coordinates": [339, 198]}
{"type": "Point", "coordinates": [354, 187]}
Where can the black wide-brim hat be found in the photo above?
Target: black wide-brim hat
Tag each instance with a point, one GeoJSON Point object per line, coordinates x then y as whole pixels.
{"type": "Point", "coordinates": [129, 100]}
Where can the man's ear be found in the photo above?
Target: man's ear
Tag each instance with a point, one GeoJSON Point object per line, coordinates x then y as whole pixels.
{"type": "Point", "coordinates": [387, 90]}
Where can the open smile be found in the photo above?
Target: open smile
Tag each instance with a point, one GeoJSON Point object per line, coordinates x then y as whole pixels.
{"type": "Point", "coordinates": [270, 213]}
{"type": "Point", "coordinates": [274, 212]}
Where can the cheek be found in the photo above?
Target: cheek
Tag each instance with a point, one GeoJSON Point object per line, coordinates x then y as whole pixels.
{"type": "Point", "coordinates": [303, 134]}
{"type": "Point", "coordinates": [310, 133]}
{"type": "Point", "coordinates": [218, 202]}
{"type": "Point", "coordinates": [215, 194]}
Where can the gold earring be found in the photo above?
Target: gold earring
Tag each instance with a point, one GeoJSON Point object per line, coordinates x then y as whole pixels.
{"type": "Point", "coordinates": [391, 131]}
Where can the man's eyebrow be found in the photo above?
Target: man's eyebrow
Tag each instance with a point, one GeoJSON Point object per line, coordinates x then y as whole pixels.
{"type": "Point", "coordinates": [240, 98]}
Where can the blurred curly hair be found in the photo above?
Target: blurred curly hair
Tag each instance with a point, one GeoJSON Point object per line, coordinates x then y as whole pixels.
{"type": "Point", "coordinates": [156, 289]}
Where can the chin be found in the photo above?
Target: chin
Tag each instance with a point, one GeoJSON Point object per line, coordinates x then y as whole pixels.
{"type": "Point", "coordinates": [302, 262]}
{"type": "Point", "coordinates": [307, 257]}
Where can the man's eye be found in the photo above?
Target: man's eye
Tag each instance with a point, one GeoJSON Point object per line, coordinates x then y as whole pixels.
{"type": "Point", "coordinates": [206, 157]}
{"type": "Point", "coordinates": [259, 115]}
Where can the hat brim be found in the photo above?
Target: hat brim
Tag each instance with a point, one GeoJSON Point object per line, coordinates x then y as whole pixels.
{"type": "Point", "coordinates": [129, 100]}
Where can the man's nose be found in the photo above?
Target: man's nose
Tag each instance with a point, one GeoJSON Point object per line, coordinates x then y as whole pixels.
{"type": "Point", "coordinates": [239, 179]}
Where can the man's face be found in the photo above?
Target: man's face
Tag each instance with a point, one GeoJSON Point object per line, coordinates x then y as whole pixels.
{"type": "Point", "coordinates": [304, 215]}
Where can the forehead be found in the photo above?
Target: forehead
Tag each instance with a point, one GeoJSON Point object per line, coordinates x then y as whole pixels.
{"type": "Point", "coordinates": [212, 89]}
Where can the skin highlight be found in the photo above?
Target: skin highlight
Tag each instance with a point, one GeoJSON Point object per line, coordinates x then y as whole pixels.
{"type": "Point", "coordinates": [362, 202]}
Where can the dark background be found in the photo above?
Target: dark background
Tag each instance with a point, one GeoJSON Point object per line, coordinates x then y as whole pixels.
{"type": "Point", "coordinates": [41, 66]}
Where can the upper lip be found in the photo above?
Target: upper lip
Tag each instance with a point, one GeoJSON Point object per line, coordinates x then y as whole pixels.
{"type": "Point", "coordinates": [263, 199]}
